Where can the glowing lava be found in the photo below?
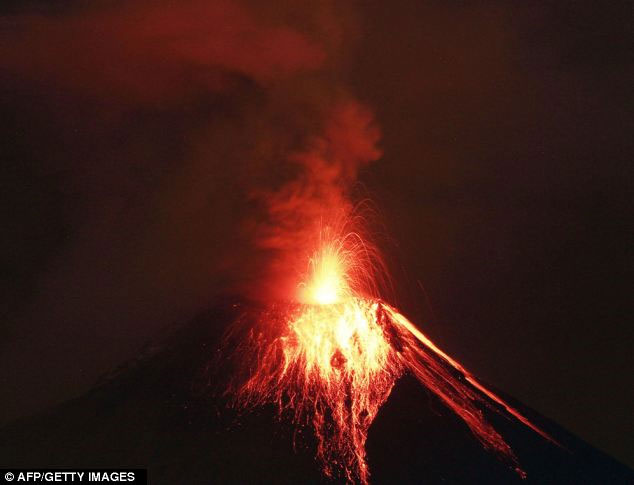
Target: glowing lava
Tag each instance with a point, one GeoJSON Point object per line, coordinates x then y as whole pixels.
{"type": "Point", "coordinates": [332, 360]}
{"type": "Point", "coordinates": [327, 284]}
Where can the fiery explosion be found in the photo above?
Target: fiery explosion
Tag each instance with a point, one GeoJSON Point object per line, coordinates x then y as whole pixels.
{"type": "Point", "coordinates": [331, 360]}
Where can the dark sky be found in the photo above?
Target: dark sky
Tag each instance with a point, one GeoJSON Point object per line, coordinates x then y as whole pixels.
{"type": "Point", "coordinates": [133, 135]}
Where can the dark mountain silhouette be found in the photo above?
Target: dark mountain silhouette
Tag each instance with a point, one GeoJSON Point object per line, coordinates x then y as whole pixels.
{"type": "Point", "coordinates": [160, 412]}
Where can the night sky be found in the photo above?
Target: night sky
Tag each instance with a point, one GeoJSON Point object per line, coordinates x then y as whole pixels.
{"type": "Point", "coordinates": [134, 135]}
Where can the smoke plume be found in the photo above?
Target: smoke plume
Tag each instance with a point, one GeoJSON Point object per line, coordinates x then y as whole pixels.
{"type": "Point", "coordinates": [318, 195]}
{"type": "Point", "coordinates": [180, 149]}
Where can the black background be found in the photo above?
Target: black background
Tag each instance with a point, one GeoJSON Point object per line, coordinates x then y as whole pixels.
{"type": "Point", "coordinates": [505, 187]}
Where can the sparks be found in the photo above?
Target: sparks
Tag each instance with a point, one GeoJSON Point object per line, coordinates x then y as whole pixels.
{"type": "Point", "coordinates": [328, 284]}
{"type": "Point", "coordinates": [332, 359]}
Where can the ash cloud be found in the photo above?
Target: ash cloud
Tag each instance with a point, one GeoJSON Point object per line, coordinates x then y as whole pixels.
{"type": "Point", "coordinates": [155, 51]}
{"type": "Point", "coordinates": [317, 196]}
{"type": "Point", "coordinates": [160, 141]}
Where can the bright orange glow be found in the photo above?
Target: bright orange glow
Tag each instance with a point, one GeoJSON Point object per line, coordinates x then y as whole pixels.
{"type": "Point", "coordinates": [327, 283]}
{"type": "Point", "coordinates": [332, 360]}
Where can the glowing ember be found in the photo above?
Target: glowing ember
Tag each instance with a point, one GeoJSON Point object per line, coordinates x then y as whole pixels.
{"type": "Point", "coordinates": [333, 359]}
{"type": "Point", "coordinates": [328, 283]}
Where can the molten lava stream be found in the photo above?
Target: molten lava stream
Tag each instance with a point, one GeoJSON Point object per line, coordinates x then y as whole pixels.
{"type": "Point", "coordinates": [332, 361]}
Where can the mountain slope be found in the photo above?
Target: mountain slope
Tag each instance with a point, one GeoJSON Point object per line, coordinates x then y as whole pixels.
{"type": "Point", "coordinates": [160, 412]}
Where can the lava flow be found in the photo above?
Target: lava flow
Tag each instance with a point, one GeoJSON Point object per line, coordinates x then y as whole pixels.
{"type": "Point", "coordinates": [332, 359]}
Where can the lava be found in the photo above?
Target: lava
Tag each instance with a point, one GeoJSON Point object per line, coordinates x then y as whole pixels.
{"type": "Point", "coordinates": [331, 359]}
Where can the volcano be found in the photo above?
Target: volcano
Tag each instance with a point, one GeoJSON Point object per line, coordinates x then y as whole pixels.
{"type": "Point", "coordinates": [163, 412]}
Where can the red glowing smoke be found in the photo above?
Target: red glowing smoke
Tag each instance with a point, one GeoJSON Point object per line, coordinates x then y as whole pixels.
{"type": "Point", "coordinates": [318, 195]}
{"type": "Point", "coordinates": [143, 127]}
{"type": "Point", "coordinates": [154, 51]}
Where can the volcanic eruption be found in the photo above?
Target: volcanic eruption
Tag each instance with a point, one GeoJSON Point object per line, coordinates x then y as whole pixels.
{"type": "Point", "coordinates": [331, 359]}
{"type": "Point", "coordinates": [186, 214]}
{"type": "Point", "coordinates": [329, 354]}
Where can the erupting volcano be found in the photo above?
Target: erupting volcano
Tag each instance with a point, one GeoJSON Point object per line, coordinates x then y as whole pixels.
{"type": "Point", "coordinates": [195, 279]}
{"type": "Point", "coordinates": [331, 359]}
